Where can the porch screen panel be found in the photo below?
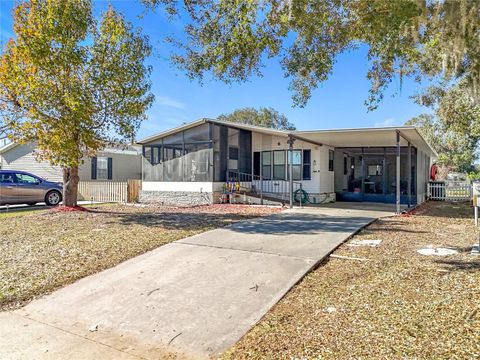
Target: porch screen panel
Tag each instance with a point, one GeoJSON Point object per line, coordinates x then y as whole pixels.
{"type": "Point", "coordinates": [196, 134]}
{"type": "Point", "coordinates": [197, 162]}
{"type": "Point", "coordinates": [183, 156]}
{"type": "Point", "coordinates": [173, 163]}
{"type": "Point", "coordinates": [245, 151]}
{"type": "Point", "coordinates": [220, 149]}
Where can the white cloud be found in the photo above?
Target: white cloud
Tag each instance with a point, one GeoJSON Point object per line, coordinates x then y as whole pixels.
{"type": "Point", "coordinates": [166, 101]}
{"type": "Point", "coordinates": [386, 122]}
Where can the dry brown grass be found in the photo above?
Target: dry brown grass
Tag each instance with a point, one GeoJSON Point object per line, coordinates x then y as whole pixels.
{"type": "Point", "coordinates": [41, 251]}
{"type": "Point", "coordinates": [397, 305]}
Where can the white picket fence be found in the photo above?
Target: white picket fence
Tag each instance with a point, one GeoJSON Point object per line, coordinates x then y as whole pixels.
{"type": "Point", "coordinates": [107, 191]}
{"type": "Point", "coordinates": [450, 191]}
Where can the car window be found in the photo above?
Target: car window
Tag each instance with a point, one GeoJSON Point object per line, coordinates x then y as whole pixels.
{"type": "Point", "coordinates": [26, 179]}
{"type": "Point", "coordinates": [6, 178]}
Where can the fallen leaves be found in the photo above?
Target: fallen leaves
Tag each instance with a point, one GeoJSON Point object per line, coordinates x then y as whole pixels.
{"type": "Point", "coordinates": [43, 250]}
{"type": "Point", "coordinates": [397, 305]}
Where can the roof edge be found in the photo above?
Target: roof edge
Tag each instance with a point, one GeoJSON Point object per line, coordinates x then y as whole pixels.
{"type": "Point", "coordinates": [8, 146]}
{"type": "Point", "coordinates": [189, 125]}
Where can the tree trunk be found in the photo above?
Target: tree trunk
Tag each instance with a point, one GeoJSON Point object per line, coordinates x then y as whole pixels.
{"type": "Point", "coordinates": [70, 186]}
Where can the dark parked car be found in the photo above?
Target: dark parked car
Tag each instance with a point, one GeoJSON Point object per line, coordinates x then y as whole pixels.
{"type": "Point", "coordinates": [20, 187]}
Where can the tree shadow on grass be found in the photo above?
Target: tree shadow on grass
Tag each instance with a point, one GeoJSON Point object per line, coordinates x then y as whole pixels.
{"type": "Point", "coordinates": [460, 265]}
{"type": "Point", "coordinates": [276, 224]}
{"type": "Point", "coordinates": [177, 220]}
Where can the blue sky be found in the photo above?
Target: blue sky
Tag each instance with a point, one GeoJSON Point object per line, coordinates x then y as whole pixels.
{"type": "Point", "coordinates": [337, 103]}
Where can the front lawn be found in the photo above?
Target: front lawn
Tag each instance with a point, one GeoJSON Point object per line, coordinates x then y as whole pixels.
{"type": "Point", "coordinates": [396, 305]}
{"type": "Point", "coordinates": [41, 251]}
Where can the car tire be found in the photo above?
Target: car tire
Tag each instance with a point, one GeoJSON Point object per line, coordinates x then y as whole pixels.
{"type": "Point", "coordinates": [53, 198]}
{"type": "Point", "coordinates": [32, 204]}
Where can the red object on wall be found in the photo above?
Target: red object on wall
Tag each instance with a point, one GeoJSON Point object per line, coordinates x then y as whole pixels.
{"type": "Point", "coordinates": [433, 172]}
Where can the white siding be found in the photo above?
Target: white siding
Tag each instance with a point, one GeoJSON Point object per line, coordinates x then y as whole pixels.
{"type": "Point", "coordinates": [322, 180]}
{"type": "Point", "coordinates": [327, 178]}
{"type": "Point", "coordinates": [124, 166]}
{"type": "Point", "coordinates": [22, 158]}
{"type": "Point", "coordinates": [423, 175]}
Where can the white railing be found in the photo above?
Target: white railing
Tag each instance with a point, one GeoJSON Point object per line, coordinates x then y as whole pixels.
{"type": "Point", "coordinates": [107, 191]}
{"type": "Point", "coordinates": [449, 191]}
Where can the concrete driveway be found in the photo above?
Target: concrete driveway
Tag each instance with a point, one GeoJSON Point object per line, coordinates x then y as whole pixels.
{"type": "Point", "coordinates": [196, 296]}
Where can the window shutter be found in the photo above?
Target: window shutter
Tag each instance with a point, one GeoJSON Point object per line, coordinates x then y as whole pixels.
{"type": "Point", "coordinates": [110, 172]}
{"type": "Point", "coordinates": [94, 168]}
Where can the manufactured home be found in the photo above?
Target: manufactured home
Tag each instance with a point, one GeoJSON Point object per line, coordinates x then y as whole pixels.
{"type": "Point", "coordinates": [112, 163]}
{"type": "Point", "coordinates": [199, 162]}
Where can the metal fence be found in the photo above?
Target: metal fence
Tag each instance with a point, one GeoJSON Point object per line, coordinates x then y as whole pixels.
{"type": "Point", "coordinates": [256, 185]}
{"type": "Point", "coordinates": [449, 191]}
{"type": "Point", "coordinates": [107, 191]}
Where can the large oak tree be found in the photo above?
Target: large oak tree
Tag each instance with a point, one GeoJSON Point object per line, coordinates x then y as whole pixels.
{"type": "Point", "coordinates": [454, 127]}
{"type": "Point", "coordinates": [231, 39]}
{"type": "Point", "coordinates": [73, 84]}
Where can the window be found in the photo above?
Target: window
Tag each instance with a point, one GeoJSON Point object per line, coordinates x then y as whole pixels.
{"type": "Point", "coordinates": [6, 178]}
{"type": "Point", "coordinates": [26, 179]}
{"type": "Point", "coordinates": [279, 165]}
{"type": "Point", "coordinates": [102, 168]}
{"type": "Point", "coordinates": [267, 164]}
{"type": "Point", "coordinates": [330, 160]}
{"type": "Point", "coordinates": [307, 160]}
{"type": "Point", "coordinates": [374, 170]}
{"type": "Point", "coordinates": [297, 165]}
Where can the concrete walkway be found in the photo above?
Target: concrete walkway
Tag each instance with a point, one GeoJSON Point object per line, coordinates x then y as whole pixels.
{"type": "Point", "coordinates": [196, 296]}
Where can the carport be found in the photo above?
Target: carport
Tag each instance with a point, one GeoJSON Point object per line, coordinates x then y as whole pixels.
{"type": "Point", "coordinates": [387, 165]}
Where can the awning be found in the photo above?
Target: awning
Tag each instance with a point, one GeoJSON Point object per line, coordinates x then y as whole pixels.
{"type": "Point", "coordinates": [369, 137]}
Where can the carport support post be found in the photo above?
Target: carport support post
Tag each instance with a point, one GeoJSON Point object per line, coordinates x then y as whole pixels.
{"type": "Point", "coordinates": [397, 175]}
{"type": "Point", "coordinates": [290, 142]}
{"type": "Point", "coordinates": [261, 177]}
{"type": "Point", "coordinates": [409, 165]}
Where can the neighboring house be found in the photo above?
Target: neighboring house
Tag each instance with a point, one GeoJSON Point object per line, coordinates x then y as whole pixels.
{"type": "Point", "coordinates": [116, 164]}
{"type": "Point", "coordinates": [194, 162]}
